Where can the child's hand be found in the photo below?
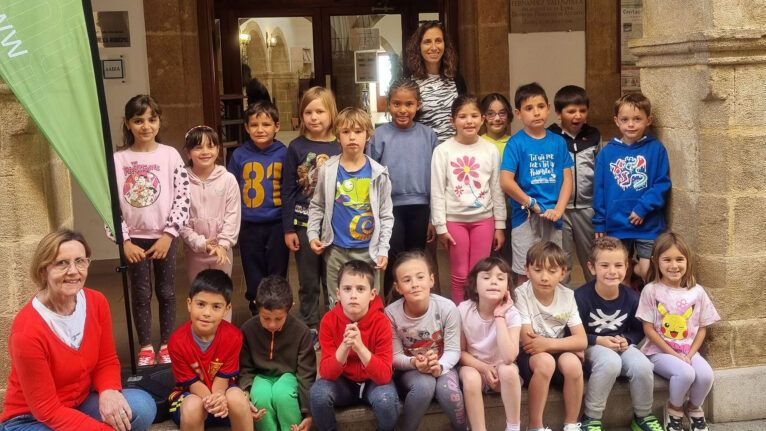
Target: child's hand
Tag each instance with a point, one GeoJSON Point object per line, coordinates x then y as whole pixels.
{"type": "Point", "coordinates": [382, 263]}
{"type": "Point", "coordinates": [352, 337]}
{"type": "Point", "coordinates": [215, 404]}
{"type": "Point", "coordinates": [552, 215]}
{"type": "Point", "coordinates": [498, 240]}
{"type": "Point", "coordinates": [537, 344]}
{"type": "Point", "coordinates": [133, 253]}
{"type": "Point", "coordinates": [291, 241]}
{"type": "Point", "coordinates": [599, 234]}
{"type": "Point", "coordinates": [221, 255]}
{"type": "Point", "coordinates": [305, 424]}
{"type": "Point", "coordinates": [503, 306]}
{"type": "Point", "coordinates": [317, 246]}
{"type": "Point", "coordinates": [635, 219]}
{"type": "Point", "coordinates": [421, 363]}
{"type": "Point", "coordinates": [490, 374]}
{"type": "Point", "coordinates": [624, 343]}
{"type": "Point", "coordinates": [257, 414]}
{"type": "Point", "coordinates": [434, 367]}
{"type": "Point", "coordinates": [160, 247]}
{"type": "Point", "coordinates": [430, 233]}
{"type": "Point", "coordinates": [210, 244]}
{"type": "Point", "coordinates": [609, 342]}
{"type": "Point", "coordinates": [684, 358]}
{"type": "Point", "coordinates": [447, 240]}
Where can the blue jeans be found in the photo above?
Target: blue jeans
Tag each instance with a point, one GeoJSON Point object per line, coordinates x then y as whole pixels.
{"type": "Point", "coordinates": [141, 404]}
{"type": "Point", "coordinates": [326, 394]}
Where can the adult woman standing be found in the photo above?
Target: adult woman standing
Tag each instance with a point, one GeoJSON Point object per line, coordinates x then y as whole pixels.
{"type": "Point", "coordinates": [432, 63]}
{"type": "Point", "coordinates": [61, 345]}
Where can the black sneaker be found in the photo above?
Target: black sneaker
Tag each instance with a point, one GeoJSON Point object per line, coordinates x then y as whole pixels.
{"type": "Point", "coordinates": [698, 424]}
{"type": "Point", "coordinates": [646, 423]}
{"type": "Point", "coordinates": [674, 423]}
{"type": "Point", "coordinates": [590, 424]}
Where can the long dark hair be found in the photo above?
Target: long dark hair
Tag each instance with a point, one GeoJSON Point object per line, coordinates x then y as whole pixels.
{"type": "Point", "coordinates": [137, 105]}
{"type": "Point", "coordinates": [415, 62]}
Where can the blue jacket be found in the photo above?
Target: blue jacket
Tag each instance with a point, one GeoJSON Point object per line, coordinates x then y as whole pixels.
{"type": "Point", "coordinates": [259, 175]}
{"type": "Point", "coordinates": [631, 178]}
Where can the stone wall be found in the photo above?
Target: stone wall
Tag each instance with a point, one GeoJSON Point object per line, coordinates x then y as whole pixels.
{"type": "Point", "coordinates": [483, 46]}
{"type": "Point", "coordinates": [703, 65]}
{"type": "Point", "coordinates": [174, 66]}
{"type": "Point", "coordinates": [35, 198]}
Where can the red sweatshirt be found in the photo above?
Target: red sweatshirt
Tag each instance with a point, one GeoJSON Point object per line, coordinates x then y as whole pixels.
{"type": "Point", "coordinates": [375, 329]}
{"type": "Point", "coordinates": [49, 379]}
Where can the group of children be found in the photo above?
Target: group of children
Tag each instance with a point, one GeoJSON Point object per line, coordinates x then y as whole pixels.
{"type": "Point", "coordinates": [346, 197]}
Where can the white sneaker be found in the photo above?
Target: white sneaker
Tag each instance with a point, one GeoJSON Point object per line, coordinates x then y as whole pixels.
{"type": "Point", "coordinates": [572, 427]}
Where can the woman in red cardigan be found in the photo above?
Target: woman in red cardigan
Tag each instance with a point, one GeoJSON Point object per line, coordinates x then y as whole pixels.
{"type": "Point", "coordinates": [61, 346]}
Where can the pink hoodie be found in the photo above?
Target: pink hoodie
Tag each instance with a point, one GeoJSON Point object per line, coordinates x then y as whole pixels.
{"type": "Point", "coordinates": [215, 210]}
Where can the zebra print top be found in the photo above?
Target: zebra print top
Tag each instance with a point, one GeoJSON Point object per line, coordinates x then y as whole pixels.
{"type": "Point", "coordinates": [437, 94]}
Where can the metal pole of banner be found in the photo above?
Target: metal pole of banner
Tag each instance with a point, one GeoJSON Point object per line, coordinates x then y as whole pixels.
{"type": "Point", "coordinates": [114, 193]}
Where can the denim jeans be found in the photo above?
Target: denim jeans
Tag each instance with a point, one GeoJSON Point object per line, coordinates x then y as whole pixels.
{"type": "Point", "coordinates": [141, 405]}
{"type": "Point", "coordinates": [326, 394]}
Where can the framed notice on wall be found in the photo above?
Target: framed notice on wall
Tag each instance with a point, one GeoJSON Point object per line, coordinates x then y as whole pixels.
{"type": "Point", "coordinates": [631, 27]}
{"type": "Point", "coordinates": [536, 16]}
{"type": "Point", "coordinates": [365, 66]}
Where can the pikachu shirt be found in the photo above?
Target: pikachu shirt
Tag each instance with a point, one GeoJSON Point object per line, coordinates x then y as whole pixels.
{"type": "Point", "coordinates": [677, 315]}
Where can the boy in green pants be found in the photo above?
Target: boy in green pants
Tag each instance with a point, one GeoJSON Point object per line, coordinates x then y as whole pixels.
{"type": "Point", "coordinates": [277, 361]}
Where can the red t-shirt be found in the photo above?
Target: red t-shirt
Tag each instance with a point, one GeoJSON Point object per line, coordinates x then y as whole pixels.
{"type": "Point", "coordinates": [191, 364]}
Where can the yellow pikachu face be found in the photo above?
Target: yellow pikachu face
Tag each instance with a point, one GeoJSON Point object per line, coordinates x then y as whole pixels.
{"type": "Point", "coordinates": [674, 325]}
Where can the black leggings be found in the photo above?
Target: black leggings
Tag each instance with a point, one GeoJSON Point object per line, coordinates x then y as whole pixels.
{"type": "Point", "coordinates": [164, 286]}
{"type": "Point", "coordinates": [409, 233]}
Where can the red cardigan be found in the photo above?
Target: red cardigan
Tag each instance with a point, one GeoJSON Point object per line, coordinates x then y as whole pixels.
{"type": "Point", "coordinates": [49, 379]}
{"type": "Point", "coordinates": [375, 329]}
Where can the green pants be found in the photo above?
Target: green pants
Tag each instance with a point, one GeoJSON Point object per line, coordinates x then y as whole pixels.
{"type": "Point", "coordinates": [335, 257]}
{"type": "Point", "coordinates": [279, 396]}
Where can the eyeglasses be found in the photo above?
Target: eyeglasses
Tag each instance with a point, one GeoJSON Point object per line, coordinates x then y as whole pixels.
{"type": "Point", "coordinates": [62, 266]}
{"type": "Point", "coordinates": [491, 114]}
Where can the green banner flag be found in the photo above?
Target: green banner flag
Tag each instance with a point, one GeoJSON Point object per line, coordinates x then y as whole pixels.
{"type": "Point", "coordinates": [45, 58]}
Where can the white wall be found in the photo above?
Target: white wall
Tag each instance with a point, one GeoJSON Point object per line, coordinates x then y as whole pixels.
{"type": "Point", "coordinates": [552, 59]}
{"type": "Point", "coordinates": [136, 81]}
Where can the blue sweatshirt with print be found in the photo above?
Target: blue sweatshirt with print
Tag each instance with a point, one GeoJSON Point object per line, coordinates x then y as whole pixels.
{"type": "Point", "coordinates": [259, 175]}
{"type": "Point", "coordinates": [631, 178]}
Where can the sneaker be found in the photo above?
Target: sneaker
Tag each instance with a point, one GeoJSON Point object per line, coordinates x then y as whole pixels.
{"type": "Point", "coordinates": [590, 424]}
{"type": "Point", "coordinates": [673, 422]}
{"type": "Point", "coordinates": [164, 356]}
{"type": "Point", "coordinates": [696, 418]}
{"type": "Point", "coordinates": [145, 357]}
{"type": "Point", "coordinates": [646, 423]}
{"type": "Point", "coordinates": [575, 426]}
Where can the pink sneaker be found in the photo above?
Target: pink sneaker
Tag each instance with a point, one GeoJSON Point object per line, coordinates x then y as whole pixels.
{"type": "Point", "coordinates": [164, 356]}
{"type": "Point", "coordinates": [145, 358]}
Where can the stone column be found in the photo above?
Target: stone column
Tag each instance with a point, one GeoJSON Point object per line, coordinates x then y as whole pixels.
{"type": "Point", "coordinates": [35, 198]}
{"type": "Point", "coordinates": [703, 66]}
{"type": "Point", "coordinates": [175, 75]}
{"type": "Point", "coordinates": [483, 46]}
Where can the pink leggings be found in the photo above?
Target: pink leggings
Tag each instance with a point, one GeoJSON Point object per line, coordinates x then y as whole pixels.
{"type": "Point", "coordinates": [474, 242]}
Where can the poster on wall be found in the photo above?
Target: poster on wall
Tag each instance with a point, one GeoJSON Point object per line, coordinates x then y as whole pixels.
{"type": "Point", "coordinates": [365, 66]}
{"type": "Point", "coordinates": [112, 29]}
{"type": "Point", "coordinates": [535, 16]}
{"type": "Point", "coordinates": [631, 27]}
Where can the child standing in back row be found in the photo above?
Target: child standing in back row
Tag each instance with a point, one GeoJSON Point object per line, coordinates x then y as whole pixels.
{"type": "Point", "coordinates": [305, 156]}
{"type": "Point", "coordinates": [351, 208]}
{"type": "Point", "coordinates": [631, 182]}
{"type": "Point", "coordinates": [404, 147]}
{"type": "Point", "coordinates": [537, 175]}
{"type": "Point", "coordinates": [467, 204]}
{"type": "Point", "coordinates": [155, 207]}
{"type": "Point", "coordinates": [583, 142]}
{"type": "Point", "coordinates": [257, 165]}
{"type": "Point", "coordinates": [215, 211]}
{"type": "Point", "coordinates": [676, 312]}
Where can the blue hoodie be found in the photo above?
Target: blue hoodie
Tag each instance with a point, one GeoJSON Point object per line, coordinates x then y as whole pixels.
{"type": "Point", "coordinates": [259, 175]}
{"type": "Point", "coordinates": [631, 178]}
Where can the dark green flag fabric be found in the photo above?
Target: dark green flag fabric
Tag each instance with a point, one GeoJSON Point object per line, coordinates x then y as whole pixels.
{"type": "Point", "coordinates": [45, 59]}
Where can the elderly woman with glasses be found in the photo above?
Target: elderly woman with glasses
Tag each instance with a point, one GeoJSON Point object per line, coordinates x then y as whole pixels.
{"type": "Point", "coordinates": [62, 349]}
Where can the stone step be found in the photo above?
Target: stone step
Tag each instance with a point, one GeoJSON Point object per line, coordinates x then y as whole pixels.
{"type": "Point", "coordinates": [617, 416]}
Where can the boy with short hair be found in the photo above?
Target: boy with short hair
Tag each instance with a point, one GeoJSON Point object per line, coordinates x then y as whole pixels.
{"type": "Point", "coordinates": [277, 359]}
{"type": "Point", "coordinates": [257, 165]}
{"type": "Point", "coordinates": [608, 311]}
{"type": "Point", "coordinates": [536, 173]}
{"type": "Point", "coordinates": [357, 354]}
{"type": "Point", "coordinates": [631, 182]}
{"type": "Point", "coordinates": [583, 142]}
{"type": "Point", "coordinates": [352, 205]}
{"type": "Point", "coordinates": [204, 355]}
{"type": "Point", "coordinates": [547, 310]}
